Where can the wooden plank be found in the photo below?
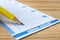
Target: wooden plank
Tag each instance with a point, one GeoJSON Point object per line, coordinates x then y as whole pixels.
{"type": "Point", "coordinates": [38, 0]}
{"type": "Point", "coordinates": [43, 4]}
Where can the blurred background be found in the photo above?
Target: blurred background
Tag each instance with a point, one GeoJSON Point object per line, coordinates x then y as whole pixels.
{"type": "Point", "coordinates": [50, 7]}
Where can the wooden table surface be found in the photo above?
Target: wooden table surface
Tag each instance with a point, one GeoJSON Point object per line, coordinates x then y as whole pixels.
{"type": "Point", "coordinates": [50, 7]}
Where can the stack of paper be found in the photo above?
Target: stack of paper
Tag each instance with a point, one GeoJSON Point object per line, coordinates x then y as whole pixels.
{"type": "Point", "coordinates": [32, 19]}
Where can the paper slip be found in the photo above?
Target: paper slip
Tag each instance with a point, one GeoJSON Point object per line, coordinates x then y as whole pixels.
{"type": "Point", "coordinates": [32, 19]}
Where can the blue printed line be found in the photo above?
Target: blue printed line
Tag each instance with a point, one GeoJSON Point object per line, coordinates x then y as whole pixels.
{"type": "Point", "coordinates": [34, 29]}
{"type": "Point", "coordinates": [20, 34]}
{"type": "Point", "coordinates": [6, 27]}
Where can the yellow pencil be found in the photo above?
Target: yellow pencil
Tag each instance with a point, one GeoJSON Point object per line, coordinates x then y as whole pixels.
{"type": "Point", "coordinates": [9, 15]}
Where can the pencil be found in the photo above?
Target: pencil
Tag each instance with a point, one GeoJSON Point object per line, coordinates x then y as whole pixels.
{"type": "Point", "coordinates": [9, 15]}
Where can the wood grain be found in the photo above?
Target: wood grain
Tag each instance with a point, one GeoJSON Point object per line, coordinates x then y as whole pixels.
{"type": "Point", "coordinates": [50, 7]}
{"type": "Point", "coordinates": [42, 4]}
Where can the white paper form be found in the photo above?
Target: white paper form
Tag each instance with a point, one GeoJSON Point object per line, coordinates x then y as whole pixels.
{"type": "Point", "coordinates": [32, 19]}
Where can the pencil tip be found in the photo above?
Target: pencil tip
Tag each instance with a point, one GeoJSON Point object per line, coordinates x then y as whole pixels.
{"type": "Point", "coordinates": [22, 24]}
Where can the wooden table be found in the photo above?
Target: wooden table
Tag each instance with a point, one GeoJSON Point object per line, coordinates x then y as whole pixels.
{"type": "Point", "coordinates": [50, 7]}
